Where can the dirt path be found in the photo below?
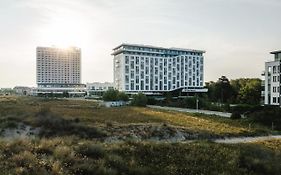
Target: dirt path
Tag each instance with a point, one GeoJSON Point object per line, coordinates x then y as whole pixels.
{"type": "Point", "coordinates": [247, 139]}
{"type": "Point", "coordinates": [221, 114]}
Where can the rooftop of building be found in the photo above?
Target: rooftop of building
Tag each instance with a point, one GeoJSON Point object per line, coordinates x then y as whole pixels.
{"type": "Point", "coordinates": [59, 48]}
{"type": "Point", "coordinates": [275, 52]}
{"type": "Point", "coordinates": [155, 47]}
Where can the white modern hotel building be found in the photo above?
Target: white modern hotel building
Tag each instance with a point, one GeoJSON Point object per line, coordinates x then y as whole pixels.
{"type": "Point", "coordinates": [271, 82]}
{"type": "Point", "coordinates": [58, 70]}
{"type": "Point", "coordinates": [150, 69]}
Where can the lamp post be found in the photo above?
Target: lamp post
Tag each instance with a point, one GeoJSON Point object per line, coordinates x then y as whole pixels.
{"type": "Point", "coordinates": [197, 103]}
{"type": "Point", "coordinates": [280, 83]}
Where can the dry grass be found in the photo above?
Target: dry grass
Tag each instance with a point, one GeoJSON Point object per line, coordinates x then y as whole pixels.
{"type": "Point", "coordinates": [89, 114]}
{"type": "Point", "coordinates": [76, 155]}
{"type": "Point", "coordinates": [274, 144]}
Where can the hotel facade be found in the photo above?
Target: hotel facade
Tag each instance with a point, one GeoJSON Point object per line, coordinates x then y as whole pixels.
{"type": "Point", "coordinates": [150, 69]}
{"type": "Point", "coordinates": [271, 81]}
{"type": "Point", "coordinates": [58, 70]}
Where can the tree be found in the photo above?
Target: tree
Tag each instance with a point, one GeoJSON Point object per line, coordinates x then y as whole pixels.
{"type": "Point", "coordinates": [251, 92]}
{"type": "Point", "coordinates": [122, 96]}
{"type": "Point", "coordinates": [247, 90]}
{"type": "Point", "coordinates": [110, 95]}
{"type": "Point", "coordinates": [139, 100]}
{"type": "Point", "coordinates": [190, 102]}
{"type": "Point", "coordinates": [220, 91]}
{"type": "Point", "coordinates": [115, 95]}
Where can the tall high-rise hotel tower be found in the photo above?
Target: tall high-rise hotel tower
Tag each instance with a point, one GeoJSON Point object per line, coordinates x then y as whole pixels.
{"type": "Point", "coordinates": [58, 67]}
{"type": "Point", "coordinates": [149, 69]}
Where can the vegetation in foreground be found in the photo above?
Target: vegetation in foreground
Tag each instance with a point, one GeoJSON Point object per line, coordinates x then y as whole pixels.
{"type": "Point", "coordinates": [71, 141]}
{"type": "Point", "coordinates": [71, 155]}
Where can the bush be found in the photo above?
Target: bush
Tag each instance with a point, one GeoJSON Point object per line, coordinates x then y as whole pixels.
{"type": "Point", "coordinates": [235, 115]}
{"type": "Point", "coordinates": [243, 108]}
{"type": "Point", "coordinates": [122, 96]}
{"type": "Point", "coordinates": [259, 160]}
{"type": "Point", "coordinates": [44, 111]}
{"type": "Point", "coordinates": [268, 116]}
{"type": "Point", "coordinates": [190, 102]}
{"type": "Point", "coordinates": [54, 125]}
{"type": "Point", "coordinates": [151, 101]}
{"type": "Point", "coordinates": [110, 95]}
{"type": "Point", "coordinates": [139, 100]}
{"type": "Point", "coordinates": [114, 95]}
{"type": "Point", "coordinates": [91, 150]}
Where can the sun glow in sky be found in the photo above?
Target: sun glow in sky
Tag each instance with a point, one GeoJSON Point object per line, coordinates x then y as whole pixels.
{"type": "Point", "coordinates": [65, 29]}
{"type": "Point", "coordinates": [234, 33]}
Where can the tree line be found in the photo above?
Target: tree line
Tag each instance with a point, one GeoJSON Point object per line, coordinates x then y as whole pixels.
{"type": "Point", "coordinates": [238, 91]}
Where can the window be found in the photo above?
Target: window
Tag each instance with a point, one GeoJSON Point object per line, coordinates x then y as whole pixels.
{"type": "Point", "coordinates": [132, 85]}
{"type": "Point", "coordinates": [132, 74]}
{"type": "Point", "coordinates": [127, 78]}
{"type": "Point", "coordinates": [146, 80]}
{"type": "Point", "coordinates": [142, 75]}
{"type": "Point", "coordinates": [137, 79]}
{"type": "Point", "coordinates": [142, 65]}
{"type": "Point", "coordinates": [126, 69]}
{"type": "Point", "coordinates": [126, 60]}
{"type": "Point", "coordinates": [274, 69]}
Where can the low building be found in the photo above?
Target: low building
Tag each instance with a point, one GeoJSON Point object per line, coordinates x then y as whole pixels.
{"type": "Point", "coordinates": [23, 90]}
{"type": "Point", "coordinates": [6, 91]}
{"type": "Point", "coordinates": [62, 91]}
{"type": "Point", "coordinates": [98, 88]}
{"type": "Point", "coordinates": [271, 84]}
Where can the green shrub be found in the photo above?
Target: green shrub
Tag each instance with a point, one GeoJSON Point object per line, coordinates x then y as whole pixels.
{"type": "Point", "coordinates": [91, 150]}
{"type": "Point", "coordinates": [53, 125]}
{"type": "Point", "coordinates": [44, 111]}
{"type": "Point", "coordinates": [268, 116]}
{"type": "Point", "coordinates": [151, 101]}
{"type": "Point", "coordinates": [110, 95]}
{"type": "Point", "coordinates": [259, 160]}
{"type": "Point", "coordinates": [235, 115]}
{"type": "Point", "coordinates": [115, 95]}
{"type": "Point", "coordinates": [117, 163]}
{"type": "Point", "coordinates": [139, 100]}
{"type": "Point", "coordinates": [243, 108]}
{"type": "Point", "coordinates": [122, 96]}
{"type": "Point", "coordinates": [190, 102]}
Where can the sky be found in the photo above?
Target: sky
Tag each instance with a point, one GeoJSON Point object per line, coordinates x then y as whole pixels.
{"type": "Point", "coordinates": [237, 35]}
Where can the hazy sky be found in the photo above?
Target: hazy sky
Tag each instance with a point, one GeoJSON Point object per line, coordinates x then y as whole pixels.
{"type": "Point", "coordinates": [237, 34]}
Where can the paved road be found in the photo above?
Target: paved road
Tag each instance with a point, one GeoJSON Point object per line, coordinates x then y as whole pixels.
{"type": "Point", "coordinates": [222, 114]}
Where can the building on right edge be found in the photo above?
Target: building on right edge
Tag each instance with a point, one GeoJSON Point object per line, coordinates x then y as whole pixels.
{"type": "Point", "coordinates": [156, 70]}
{"type": "Point", "coordinates": [272, 77]}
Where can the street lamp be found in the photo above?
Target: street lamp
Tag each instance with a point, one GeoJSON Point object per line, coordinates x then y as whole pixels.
{"type": "Point", "coordinates": [197, 103]}
{"type": "Point", "coordinates": [280, 83]}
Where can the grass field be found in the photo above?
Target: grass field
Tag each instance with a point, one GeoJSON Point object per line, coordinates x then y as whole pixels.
{"type": "Point", "coordinates": [73, 140]}
{"type": "Point", "coordinates": [90, 114]}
